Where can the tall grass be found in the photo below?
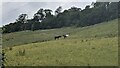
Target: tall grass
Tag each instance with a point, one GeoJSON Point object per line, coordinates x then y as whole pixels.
{"type": "Point", "coordinates": [92, 45]}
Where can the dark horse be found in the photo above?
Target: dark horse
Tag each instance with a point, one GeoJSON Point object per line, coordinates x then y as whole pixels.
{"type": "Point", "coordinates": [65, 36]}
{"type": "Point", "coordinates": [57, 37]}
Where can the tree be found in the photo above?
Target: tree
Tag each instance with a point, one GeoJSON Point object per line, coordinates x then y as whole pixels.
{"type": "Point", "coordinates": [58, 10]}
{"type": "Point", "coordinates": [44, 19]}
{"type": "Point", "coordinates": [87, 7]}
{"type": "Point", "coordinates": [22, 18]}
{"type": "Point", "coordinates": [74, 9]}
{"type": "Point", "coordinates": [39, 16]}
{"type": "Point", "coordinates": [48, 12]}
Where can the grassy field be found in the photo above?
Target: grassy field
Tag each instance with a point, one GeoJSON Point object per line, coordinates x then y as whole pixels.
{"type": "Point", "coordinates": [25, 37]}
{"type": "Point", "coordinates": [95, 45]}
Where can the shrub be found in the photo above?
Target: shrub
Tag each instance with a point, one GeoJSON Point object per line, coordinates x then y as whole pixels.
{"type": "Point", "coordinates": [21, 52]}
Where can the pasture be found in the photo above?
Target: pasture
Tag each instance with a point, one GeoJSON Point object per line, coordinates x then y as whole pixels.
{"type": "Point", "coordinates": [95, 45]}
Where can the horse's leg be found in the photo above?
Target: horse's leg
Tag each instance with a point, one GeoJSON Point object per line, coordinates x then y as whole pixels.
{"type": "Point", "coordinates": [59, 37]}
{"type": "Point", "coordinates": [55, 38]}
{"type": "Point", "coordinates": [64, 37]}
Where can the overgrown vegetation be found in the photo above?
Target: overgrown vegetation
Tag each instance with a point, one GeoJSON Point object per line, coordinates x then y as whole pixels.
{"type": "Point", "coordinates": [44, 19]}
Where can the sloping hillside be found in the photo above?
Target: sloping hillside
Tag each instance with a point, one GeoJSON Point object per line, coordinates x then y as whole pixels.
{"type": "Point", "coordinates": [26, 37]}
{"type": "Point", "coordinates": [93, 45]}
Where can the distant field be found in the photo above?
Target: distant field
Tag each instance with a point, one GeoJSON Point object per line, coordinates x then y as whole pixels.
{"type": "Point", "coordinates": [95, 45]}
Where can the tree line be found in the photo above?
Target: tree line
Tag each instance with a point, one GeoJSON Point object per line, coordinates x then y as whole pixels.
{"type": "Point", "coordinates": [44, 19]}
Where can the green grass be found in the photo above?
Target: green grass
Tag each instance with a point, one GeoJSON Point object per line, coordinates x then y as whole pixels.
{"type": "Point", "coordinates": [95, 45]}
{"type": "Point", "coordinates": [67, 52]}
{"type": "Point", "coordinates": [25, 37]}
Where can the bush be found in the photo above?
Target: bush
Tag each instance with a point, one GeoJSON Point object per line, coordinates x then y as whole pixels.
{"type": "Point", "coordinates": [21, 52]}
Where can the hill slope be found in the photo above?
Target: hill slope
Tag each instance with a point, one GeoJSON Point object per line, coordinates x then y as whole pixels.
{"type": "Point", "coordinates": [94, 45]}
{"type": "Point", "coordinates": [25, 37]}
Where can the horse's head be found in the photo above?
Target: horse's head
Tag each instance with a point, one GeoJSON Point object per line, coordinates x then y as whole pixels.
{"type": "Point", "coordinates": [67, 35]}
